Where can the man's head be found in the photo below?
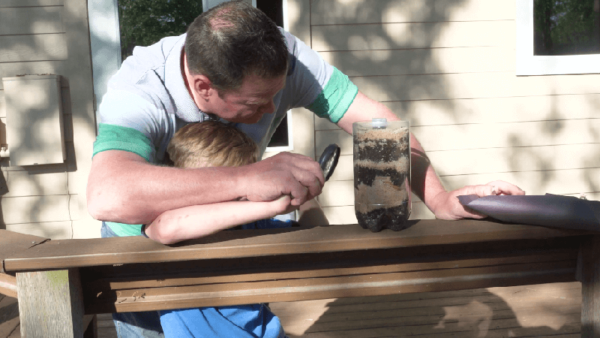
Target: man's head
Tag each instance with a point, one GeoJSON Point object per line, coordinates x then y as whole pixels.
{"type": "Point", "coordinates": [211, 144]}
{"type": "Point", "coordinates": [228, 45]}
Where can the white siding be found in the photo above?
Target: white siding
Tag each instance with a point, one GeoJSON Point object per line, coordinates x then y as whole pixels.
{"type": "Point", "coordinates": [49, 37]}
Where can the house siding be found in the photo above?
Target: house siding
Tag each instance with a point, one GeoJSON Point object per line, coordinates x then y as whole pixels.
{"type": "Point", "coordinates": [448, 67]}
{"type": "Point", "coordinates": [49, 37]}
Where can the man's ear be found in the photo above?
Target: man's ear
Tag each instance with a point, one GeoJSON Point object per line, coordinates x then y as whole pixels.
{"type": "Point", "coordinates": [202, 87]}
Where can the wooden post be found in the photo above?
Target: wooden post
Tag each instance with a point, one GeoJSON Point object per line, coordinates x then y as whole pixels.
{"type": "Point", "coordinates": [50, 304]}
{"type": "Point", "coordinates": [590, 288]}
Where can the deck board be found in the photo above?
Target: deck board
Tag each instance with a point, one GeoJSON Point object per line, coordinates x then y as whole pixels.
{"type": "Point", "coordinates": [542, 310]}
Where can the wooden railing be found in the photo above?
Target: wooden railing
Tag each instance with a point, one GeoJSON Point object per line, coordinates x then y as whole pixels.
{"type": "Point", "coordinates": [90, 276]}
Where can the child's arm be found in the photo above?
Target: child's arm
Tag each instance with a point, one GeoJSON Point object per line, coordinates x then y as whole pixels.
{"type": "Point", "coordinates": [202, 220]}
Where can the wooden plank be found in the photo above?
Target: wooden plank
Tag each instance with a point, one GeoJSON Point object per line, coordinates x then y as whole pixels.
{"type": "Point", "coordinates": [330, 266]}
{"type": "Point", "coordinates": [328, 12]}
{"type": "Point", "coordinates": [30, 3]}
{"type": "Point", "coordinates": [473, 86]}
{"type": "Point", "coordinates": [491, 110]}
{"type": "Point", "coordinates": [127, 250]}
{"type": "Point", "coordinates": [35, 209]}
{"type": "Point", "coordinates": [33, 48]}
{"type": "Point", "coordinates": [51, 304]}
{"type": "Point", "coordinates": [31, 20]}
{"type": "Point", "coordinates": [414, 35]}
{"type": "Point", "coordinates": [12, 243]}
{"type": "Point", "coordinates": [485, 136]}
{"type": "Point", "coordinates": [36, 182]}
{"type": "Point", "coordinates": [386, 62]}
{"type": "Point", "coordinates": [8, 285]}
{"type": "Point", "coordinates": [482, 161]}
{"type": "Point", "coordinates": [320, 288]}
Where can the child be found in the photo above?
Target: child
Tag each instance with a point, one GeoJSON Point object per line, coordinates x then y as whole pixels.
{"type": "Point", "coordinates": [212, 144]}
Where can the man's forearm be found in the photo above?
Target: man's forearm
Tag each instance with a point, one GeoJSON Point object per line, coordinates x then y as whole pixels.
{"type": "Point", "coordinates": [124, 188]}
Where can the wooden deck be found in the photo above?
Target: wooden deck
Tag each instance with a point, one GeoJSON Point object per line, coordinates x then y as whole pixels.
{"type": "Point", "coordinates": [545, 310]}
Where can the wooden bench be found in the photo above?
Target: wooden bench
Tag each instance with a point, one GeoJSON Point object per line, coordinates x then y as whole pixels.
{"type": "Point", "coordinates": [59, 281]}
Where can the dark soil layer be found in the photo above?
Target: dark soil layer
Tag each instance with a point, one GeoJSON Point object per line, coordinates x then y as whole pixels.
{"type": "Point", "coordinates": [365, 175]}
{"type": "Point", "coordinates": [394, 218]}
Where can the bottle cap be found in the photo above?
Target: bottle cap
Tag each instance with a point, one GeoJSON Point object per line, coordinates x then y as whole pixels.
{"type": "Point", "coordinates": [379, 123]}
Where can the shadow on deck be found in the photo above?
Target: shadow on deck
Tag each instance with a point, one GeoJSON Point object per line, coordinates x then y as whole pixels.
{"type": "Point", "coordinates": [544, 310]}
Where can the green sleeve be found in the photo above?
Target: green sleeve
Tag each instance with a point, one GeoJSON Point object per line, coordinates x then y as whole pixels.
{"type": "Point", "coordinates": [336, 97]}
{"type": "Point", "coordinates": [113, 137]}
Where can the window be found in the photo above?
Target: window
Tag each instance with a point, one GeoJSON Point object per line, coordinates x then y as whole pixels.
{"type": "Point", "coordinates": [117, 26]}
{"type": "Point", "coordinates": [558, 37]}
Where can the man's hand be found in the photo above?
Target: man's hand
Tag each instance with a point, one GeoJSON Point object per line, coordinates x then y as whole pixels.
{"type": "Point", "coordinates": [290, 174]}
{"type": "Point", "coordinates": [445, 205]}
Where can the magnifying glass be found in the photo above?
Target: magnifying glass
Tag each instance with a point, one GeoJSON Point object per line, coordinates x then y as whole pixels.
{"type": "Point", "coordinates": [329, 159]}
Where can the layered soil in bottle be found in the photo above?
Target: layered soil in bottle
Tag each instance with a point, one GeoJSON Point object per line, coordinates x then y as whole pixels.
{"type": "Point", "coordinates": [382, 178]}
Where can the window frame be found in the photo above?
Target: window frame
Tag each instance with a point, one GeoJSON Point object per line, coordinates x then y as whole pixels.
{"type": "Point", "coordinates": [529, 64]}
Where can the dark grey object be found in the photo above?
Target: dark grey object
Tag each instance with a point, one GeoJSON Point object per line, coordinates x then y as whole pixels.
{"type": "Point", "coordinates": [329, 160]}
{"type": "Point", "coordinates": [563, 212]}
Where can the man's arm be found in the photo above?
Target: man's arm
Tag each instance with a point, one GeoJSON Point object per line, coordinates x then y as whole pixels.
{"type": "Point", "coordinates": [424, 181]}
{"type": "Point", "coordinates": [123, 187]}
{"type": "Point", "coordinates": [202, 220]}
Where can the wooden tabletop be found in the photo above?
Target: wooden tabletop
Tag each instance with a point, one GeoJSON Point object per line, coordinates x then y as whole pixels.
{"type": "Point", "coordinates": [30, 254]}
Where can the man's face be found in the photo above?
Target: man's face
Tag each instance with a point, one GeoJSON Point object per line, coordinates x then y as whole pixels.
{"type": "Point", "coordinates": [250, 102]}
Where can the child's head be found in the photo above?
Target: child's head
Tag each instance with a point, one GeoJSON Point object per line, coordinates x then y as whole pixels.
{"type": "Point", "coordinates": [211, 144]}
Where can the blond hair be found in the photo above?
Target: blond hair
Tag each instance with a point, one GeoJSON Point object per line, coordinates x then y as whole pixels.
{"type": "Point", "coordinates": [211, 143]}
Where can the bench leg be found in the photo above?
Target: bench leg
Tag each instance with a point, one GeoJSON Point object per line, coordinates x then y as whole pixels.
{"type": "Point", "coordinates": [590, 288]}
{"type": "Point", "coordinates": [50, 304]}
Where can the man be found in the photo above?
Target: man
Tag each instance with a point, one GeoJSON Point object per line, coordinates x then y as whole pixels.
{"type": "Point", "coordinates": [237, 66]}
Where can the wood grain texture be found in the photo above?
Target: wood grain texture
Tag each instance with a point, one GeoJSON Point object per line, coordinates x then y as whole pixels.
{"type": "Point", "coordinates": [11, 243]}
{"type": "Point", "coordinates": [127, 250]}
{"type": "Point", "coordinates": [348, 286]}
{"type": "Point", "coordinates": [31, 20]}
{"type": "Point", "coordinates": [33, 48]}
{"type": "Point", "coordinates": [51, 304]}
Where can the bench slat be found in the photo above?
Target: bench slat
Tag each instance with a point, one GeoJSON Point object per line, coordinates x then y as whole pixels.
{"type": "Point", "coordinates": [333, 287]}
{"type": "Point", "coordinates": [8, 285]}
{"type": "Point", "coordinates": [60, 254]}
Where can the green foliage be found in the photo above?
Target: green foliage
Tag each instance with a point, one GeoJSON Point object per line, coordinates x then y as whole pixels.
{"type": "Point", "coordinates": [567, 26]}
{"type": "Point", "coordinates": [144, 22]}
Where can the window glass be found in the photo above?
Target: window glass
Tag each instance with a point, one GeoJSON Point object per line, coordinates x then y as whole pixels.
{"type": "Point", "coordinates": [566, 27]}
{"type": "Point", "coordinates": [144, 22]}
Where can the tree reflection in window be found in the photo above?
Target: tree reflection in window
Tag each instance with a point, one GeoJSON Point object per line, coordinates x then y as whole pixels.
{"type": "Point", "coordinates": [566, 27]}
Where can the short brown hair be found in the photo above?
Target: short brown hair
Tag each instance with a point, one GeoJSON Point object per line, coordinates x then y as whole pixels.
{"type": "Point", "coordinates": [234, 40]}
{"type": "Point", "coordinates": [211, 143]}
